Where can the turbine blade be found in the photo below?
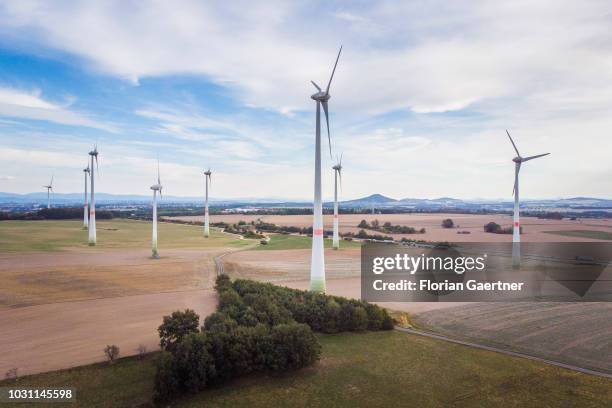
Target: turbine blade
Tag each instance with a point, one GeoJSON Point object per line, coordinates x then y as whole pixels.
{"type": "Point", "coordinates": [324, 103]}
{"type": "Point", "coordinates": [512, 141]}
{"type": "Point", "coordinates": [316, 86]}
{"type": "Point", "coordinates": [535, 157]}
{"type": "Point", "coordinates": [333, 71]}
{"type": "Point", "coordinates": [340, 177]}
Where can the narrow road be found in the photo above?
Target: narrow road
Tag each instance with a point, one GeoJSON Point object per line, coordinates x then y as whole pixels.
{"type": "Point", "coordinates": [503, 351]}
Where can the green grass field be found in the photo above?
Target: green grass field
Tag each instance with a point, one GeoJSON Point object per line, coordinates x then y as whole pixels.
{"type": "Point", "coordinates": [606, 236]}
{"type": "Point", "coordinates": [375, 369]}
{"type": "Point", "coordinates": [25, 236]}
{"type": "Point", "coordinates": [284, 241]}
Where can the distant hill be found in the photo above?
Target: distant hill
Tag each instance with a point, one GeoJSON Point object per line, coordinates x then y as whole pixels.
{"type": "Point", "coordinates": [369, 200]}
{"type": "Point", "coordinates": [379, 201]}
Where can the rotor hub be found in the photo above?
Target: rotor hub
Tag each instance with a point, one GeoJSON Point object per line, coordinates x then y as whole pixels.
{"type": "Point", "coordinates": [321, 96]}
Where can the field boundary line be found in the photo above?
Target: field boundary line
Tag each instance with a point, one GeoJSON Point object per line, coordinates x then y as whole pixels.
{"type": "Point", "coordinates": [503, 351]}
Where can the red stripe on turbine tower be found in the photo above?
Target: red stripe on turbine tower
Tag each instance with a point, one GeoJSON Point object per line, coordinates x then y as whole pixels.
{"type": "Point", "coordinates": [318, 232]}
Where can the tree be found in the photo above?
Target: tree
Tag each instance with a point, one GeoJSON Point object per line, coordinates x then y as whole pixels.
{"type": "Point", "coordinates": [492, 227]}
{"type": "Point", "coordinates": [363, 224]}
{"type": "Point", "coordinates": [176, 326]}
{"type": "Point", "coordinates": [448, 223]}
{"type": "Point", "coordinates": [111, 352]}
{"type": "Point", "coordinates": [295, 346]}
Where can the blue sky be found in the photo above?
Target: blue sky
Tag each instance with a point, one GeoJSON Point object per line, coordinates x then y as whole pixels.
{"type": "Point", "coordinates": [419, 105]}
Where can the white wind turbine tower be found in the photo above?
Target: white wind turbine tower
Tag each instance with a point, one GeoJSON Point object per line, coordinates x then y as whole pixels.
{"type": "Point", "coordinates": [85, 203]}
{"type": "Point", "coordinates": [92, 206]}
{"type": "Point", "coordinates": [49, 190]}
{"type": "Point", "coordinates": [516, 225]}
{"type": "Point", "coordinates": [207, 179]}
{"type": "Point", "coordinates": [337, 175]}
{"type": "Point", "coordinates": [317, 263]}
{"type": "Point", "coordinates": [156, 187]}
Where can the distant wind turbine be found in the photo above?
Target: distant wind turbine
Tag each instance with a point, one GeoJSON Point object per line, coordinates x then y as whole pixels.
{"type": "Point", "coordinates": [85, 203]}
{"type": "Point", "coordinates": [92, 206]}
{"type": "Point", "coordinates": [337, 175]}
{"type": "Point", "coordinates": [516, 225]}
{"type": "Point", "coordinates": [156, 187]}
{"type": "Point", "coordinates": [49, 190]}
{"type": "Point", "coordinates": [317, 263]}
{"type": "Point", "coordinates": [207, 179]}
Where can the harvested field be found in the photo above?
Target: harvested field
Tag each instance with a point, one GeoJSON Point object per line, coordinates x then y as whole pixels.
{"type": "Point", "coordinates": [54, 336]}
{"type": "Point", "coordinates": [534, 229]}
{"type": "Point", "coordinates": [575, 333]}
{"type": "Point", "coordinates": [46, 277]}
{"type": "Point", "coordinates": [288, 265]}
{"type": "Point", "coordinates": [50, 261]}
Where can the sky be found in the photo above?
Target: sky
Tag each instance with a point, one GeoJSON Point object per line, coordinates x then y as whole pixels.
{"type": "Point", "coordinates": [420, 101]}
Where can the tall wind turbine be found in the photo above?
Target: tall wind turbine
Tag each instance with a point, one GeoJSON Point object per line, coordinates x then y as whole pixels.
{"type": "Point", "coordinates": [207, 179]}
{"type": "Point", "coordinates": [156, 187]}
{"type": "Point", "coordinates": [49, 190]}
{"type": "Point", "coordinates": [92, 206]}
{"type": "Point", "coordinates": [317, 263]}
{"type": "Point", "coordinates": [85, 203]}
{"type": "Point", "coordinates": [516, 225]}
{"type": "Point", "coordinates": [337, 175]}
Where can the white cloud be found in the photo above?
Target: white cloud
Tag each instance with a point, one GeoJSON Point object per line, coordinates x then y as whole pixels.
{"type": "Point", "coordinates": [431, 58]}
{"type": "Point", "coordinates": [541, 69]}
{"type": "Point", "coordinates": [22, 104]}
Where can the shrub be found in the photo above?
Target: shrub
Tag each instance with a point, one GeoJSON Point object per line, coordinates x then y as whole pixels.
{"type": "Point", "coordinates": [176, 326]}
{"type": "Point", "coordinates": [142, 351]}
{"type": "Point", "coordinates": [448, 223]}
{"type": "Point", "coordinates": [111, 352]}
{"type": "Point", "coordinates": [492, 227]}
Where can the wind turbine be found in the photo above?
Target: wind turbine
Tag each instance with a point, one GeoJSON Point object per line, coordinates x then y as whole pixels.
{"type": "Point", "coordinates": [92, 207]}
{"type": "Point", "coordinates": [156, 187]}
{"type": "Point", "coordinates": [317, 263]}
{"type": "Point", "coordinates": [49, 190]}
{"type": "Point", "coordinates": [207, 179]}
{"type": "Point", "coordinates": [516, 225]}
{"type": "Point", "coordinates": [85, 204]}
{"type": "Point", "coordinates": [337, 175]}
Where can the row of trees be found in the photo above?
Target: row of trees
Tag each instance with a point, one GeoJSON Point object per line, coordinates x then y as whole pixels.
{"type": "Point", "coordinates": [495, 228]}
{"type": "Point", "coordinates": [60, 213]}
{"type": "Point", "coordinates": [390, 228]}
{"type": "Point", "coordinates": [257, 327]}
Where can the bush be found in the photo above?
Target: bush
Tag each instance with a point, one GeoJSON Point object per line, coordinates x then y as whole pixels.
{"type": "Point", "coordinates": [176, 326]}
{"type": "Point", "coordinates": [492, 227]}
{"type": "Point", "coordinates": [448, 223]}
{"type": "Point", "coordinates": [111, 352]}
